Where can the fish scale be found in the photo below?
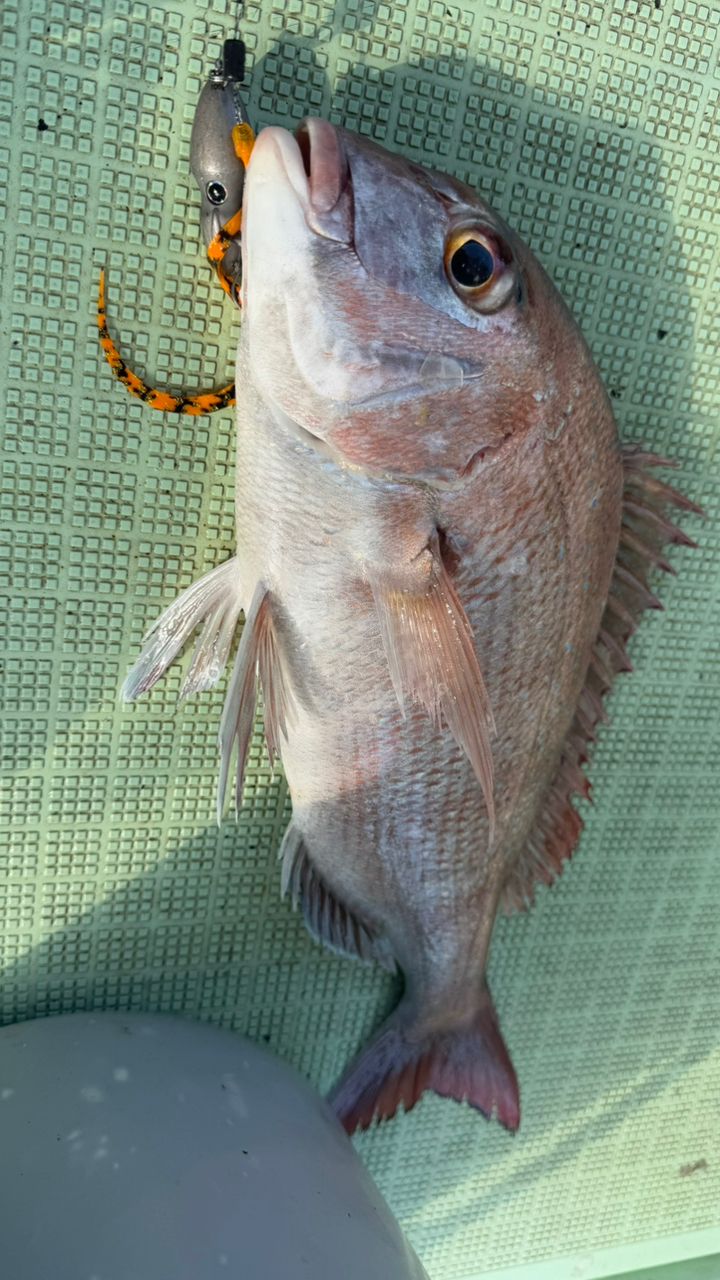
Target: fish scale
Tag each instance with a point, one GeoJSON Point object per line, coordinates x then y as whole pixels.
{"type": "Point", "coordinates": [442, 551]}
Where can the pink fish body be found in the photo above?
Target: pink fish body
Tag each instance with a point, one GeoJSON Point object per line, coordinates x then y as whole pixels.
{"type": "Point", "coordinates": [441, 553]}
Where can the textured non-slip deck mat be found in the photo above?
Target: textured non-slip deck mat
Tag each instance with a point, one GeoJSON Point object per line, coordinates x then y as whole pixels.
{"type": "Point", "coordinates": [595, 129]}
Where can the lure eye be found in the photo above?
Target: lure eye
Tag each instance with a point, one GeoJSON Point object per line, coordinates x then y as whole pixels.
{"type": "Point", "coordinates": [216, 192]}
{"type": "Point", "coordinates": [479, 268]}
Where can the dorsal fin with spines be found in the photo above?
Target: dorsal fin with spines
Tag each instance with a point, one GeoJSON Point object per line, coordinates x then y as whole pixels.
{"type": "Point", "coordinates": [644, 531]}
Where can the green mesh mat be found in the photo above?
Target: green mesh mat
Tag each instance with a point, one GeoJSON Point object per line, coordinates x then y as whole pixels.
{"type": "Point", "coordinates": [594, 128]}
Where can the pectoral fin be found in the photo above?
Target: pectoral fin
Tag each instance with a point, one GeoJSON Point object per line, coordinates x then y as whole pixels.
{"type": "Point", "coordinates": [430, 650]}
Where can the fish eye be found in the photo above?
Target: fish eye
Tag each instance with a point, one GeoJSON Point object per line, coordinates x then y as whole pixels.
{"type": "Point", "coordinates": [472, 264]}
{"type": "Point", "coordinates": [478, 268]}
{"type": "Point", "coordinates": [216, 192]}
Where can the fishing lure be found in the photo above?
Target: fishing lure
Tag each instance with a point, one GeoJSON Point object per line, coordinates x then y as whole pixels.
{"type": "Point", "coordinates": [220, 148]}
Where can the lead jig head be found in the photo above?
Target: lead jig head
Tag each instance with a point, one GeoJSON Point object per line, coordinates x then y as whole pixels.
{"type": "Point", "coordinates": [219, 148]}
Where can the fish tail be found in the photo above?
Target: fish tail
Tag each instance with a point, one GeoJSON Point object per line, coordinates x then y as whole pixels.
{"type": "Point", "coordinates": [469, 1063]}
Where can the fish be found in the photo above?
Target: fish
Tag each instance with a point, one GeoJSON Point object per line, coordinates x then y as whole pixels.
{"type": "Point", "coordinates": [442, 552]}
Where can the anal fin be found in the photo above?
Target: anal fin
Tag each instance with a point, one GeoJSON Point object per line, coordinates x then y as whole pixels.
{"type": "Point", "coordinates": [327, 919]}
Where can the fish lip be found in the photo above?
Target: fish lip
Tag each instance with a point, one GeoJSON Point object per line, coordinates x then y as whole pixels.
{"type": "Point", "coordinates": [275, 140]}
{"type": "Point", "coordinates": [330, 212]}
{"type": "Point", "coordinates": [325, 162]}
{"type": "Point", "coordinates": [315, 164]}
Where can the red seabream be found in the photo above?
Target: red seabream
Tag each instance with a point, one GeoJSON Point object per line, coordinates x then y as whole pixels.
{"type": "Point", "coordinates": [442, 550]}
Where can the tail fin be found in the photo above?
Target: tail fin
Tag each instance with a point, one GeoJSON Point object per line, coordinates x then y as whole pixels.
{"type": "Point", "coordinates": [468, 1064]}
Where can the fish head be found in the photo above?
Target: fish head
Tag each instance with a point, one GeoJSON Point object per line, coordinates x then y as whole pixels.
{"type": "Point", "coordinates": [391, 316]}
